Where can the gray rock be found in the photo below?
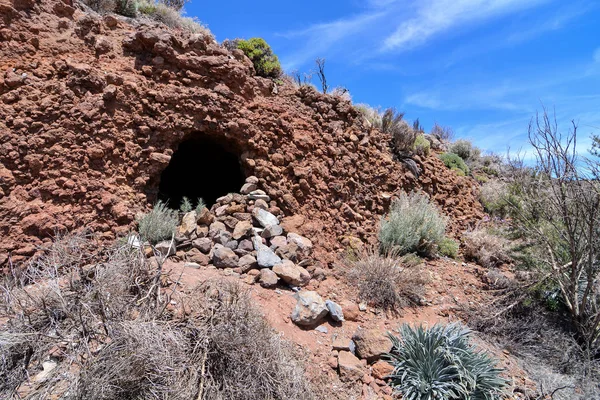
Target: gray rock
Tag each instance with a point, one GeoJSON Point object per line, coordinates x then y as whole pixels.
{"type": "Point", "coordinates": [224, 257]}
{"type": "Point", "coordinates": [310, 308]}
{"type": "Point", "coordinates": [259, 195]}
{"type": "Point", "coordinates": [215, 228]}
{"type": "Point", "coordinates": [264, 218]}
{"type": "Point", "coordinates": [192, 265]}
{"type": "Point", "coordinates": [247, 263]}
{"type": "Point", "coordinates": [223, 237]}
{"type": "Point", "coordinates": [267, 278]}
{"type": "Point", "coordinates": [232, 244]}
{"type": "Point", "coordinates": [248, 187]}
{"type": "Point", "coordinates": [246, 245]}
{"type": "Point", "coordinates": [166, 248]}
{"type": "Point", "coordinates": [304, 245]}
{"type": "Point", "coordinates": [203, 244]}
{"type": "Point", "coordinates": [272, 230]}
{"type": "Point", "coordinates": [265, 257]}
{"type": "Point", "coordinates": [321, 328]}
{"type": "Point", "coordinates": [261, 204]}
{"type": "Point", "coordinates": [335, 311]}
{"type": "Point", "coordinates": [252, 179]}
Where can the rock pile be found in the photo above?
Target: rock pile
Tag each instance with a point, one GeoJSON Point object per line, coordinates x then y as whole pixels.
{"type": "Point", "coordinates": [243, 232]}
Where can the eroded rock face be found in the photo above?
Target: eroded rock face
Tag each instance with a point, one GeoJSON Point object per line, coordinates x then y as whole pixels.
{"type": "Point", "coordinates": [88, 123]}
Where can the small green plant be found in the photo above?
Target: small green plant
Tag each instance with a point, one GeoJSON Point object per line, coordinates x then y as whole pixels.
{"type": "Point", "coordinates": [413, 225]}
{"type": "Point", "coordinates": [259, 52]}
{"type": "Point", "coordinates": [455, 163]}
{"type": "Point", "coordinates": [421, 146]}
{"type": "Point", "coordinates": [186, 205]}
{"type": "Point", "coordinates": [440, 363]}
{"type": "Point", "coordinates": [159, 224]}
{"type": "Point", "coordinates": [448, 247]}
{"type": "Point", "coordinates": [127, 8]}
{"type": "Point", "coordinates": [200, 204]}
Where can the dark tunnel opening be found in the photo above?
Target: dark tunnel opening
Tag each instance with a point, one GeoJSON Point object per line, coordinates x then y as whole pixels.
{"type": "Point", "coordinates": [200, 168]}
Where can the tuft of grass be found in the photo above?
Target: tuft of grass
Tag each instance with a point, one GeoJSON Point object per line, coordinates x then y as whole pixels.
{"type": "Point", "coordinates": [370, 114]}
{"type": "Point", "coordinates": [403, 135]}
{"type": "Point", "coordinates": [440, 363]}
{"type": "Point", "coordinates": [159, 224]}
{"type": "Point", "coordinates": [421, 146]}
{"type": "Point", "coordinates": [386, 283]}
{"type": "Point", "coordinates": [414, 225]}
{"type": "Point", "coordinates": [172, 17]}
{"type": "Point", "coordinates": [455, 163]}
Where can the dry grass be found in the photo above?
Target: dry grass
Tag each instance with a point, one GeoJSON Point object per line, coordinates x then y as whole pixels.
{"type": "Point", "coordinates": [116, 337]}
{"type": "Point", "coordinates": [486, 249]}
{"type": "Point", "coordinates": [386, 283]}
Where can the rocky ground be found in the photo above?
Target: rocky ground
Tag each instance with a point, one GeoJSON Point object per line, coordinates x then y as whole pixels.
{"type": "Point", "coordinates": [92, 109]}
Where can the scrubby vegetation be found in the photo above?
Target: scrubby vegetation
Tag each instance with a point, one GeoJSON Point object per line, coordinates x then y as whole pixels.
{"type": "Point", "coordinates": [387, 282]}
{"type": "Point", "coordinates": [403, 135]}
{"type": "Point", "coordinates": [266, 63]}
{"type": "Point", "coordinates": [486, 249]}
{"type": "Point", "coordinates": [421, 146]}
{"type": "Point", "coordinates": [169, 12]}
{"type": "Point", "coordinates": [449, 247]}
{"type": "Point", "coordinates": [159, 224]}
{"type": "Point", "coordinates": [455, 163]}
{"type": "Point", "coordinates": [110, 331]}
{"type": "Point", "coordinates": [440, 363]}
{"type": "Point", "coordinates": [414, 225]}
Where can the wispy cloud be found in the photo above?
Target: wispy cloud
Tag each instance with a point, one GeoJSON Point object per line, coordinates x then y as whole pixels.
{"type": "Point", "coordinates": [597, 56]}
{"type": "Point", "coordinates": [434, 17]}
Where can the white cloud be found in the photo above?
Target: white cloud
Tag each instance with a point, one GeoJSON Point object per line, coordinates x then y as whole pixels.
{"type": "Point", "coordinates": [597, 56]}
{"type": "Point", "coordinates": [434, 17]}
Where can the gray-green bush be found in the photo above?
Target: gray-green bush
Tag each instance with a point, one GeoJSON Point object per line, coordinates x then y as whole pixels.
{"type": "Point", "coordinates": [455, 163]}
{"type": "Point", "coordinates": [159, 224]}
{"type": "Point", "coordinates": [465, 150]}
{"type": "Point", "coordinates": [413, 225]}
{"type": "Point", "coordinates": [440, 363]}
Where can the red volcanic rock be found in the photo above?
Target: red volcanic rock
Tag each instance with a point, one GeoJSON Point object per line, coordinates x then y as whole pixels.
{"type": "Point", "coordinates": [103, 111]}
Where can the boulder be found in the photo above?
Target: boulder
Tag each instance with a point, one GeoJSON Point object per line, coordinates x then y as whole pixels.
{"type": "Point", "coordinates": [203, 244]}
{"type": "Point", "coordinates": [188, 224]}
{"type": "Point", "coordinates": [304, 245]}
{"type": "Point", "coordinates": [224, 257]}
{"type": "Point", "coordinates": [267, 278]}
{"type": "Point", "coordinates": [242, 229]}
{"type": "Point", "coordinates": [271, 230]}
{"type": "Point", "coordinates": [291, 273]}
{"type": "Point", "coordinates": [310, 308]}
{"type": "Point", "coordinates": [335, 310]}
{"type": "Point", "coordinates": [247, 263]}
{"type": "Point", "coordinates": [351, 311]}
{"type": "Point", "coordinates": [265, 257]}
{"type": "Point", "coordinates": [371, 344]}
{"type": "Point", "coordinates": [350, 368]}
{"type": "Point", "coordinates": [264, 218]}
{"type": "Point", "coordinates": [196, 256]}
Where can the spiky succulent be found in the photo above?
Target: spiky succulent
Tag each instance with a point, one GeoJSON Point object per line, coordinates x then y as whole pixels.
{"type": "Point", "coordinates": [440, 364]}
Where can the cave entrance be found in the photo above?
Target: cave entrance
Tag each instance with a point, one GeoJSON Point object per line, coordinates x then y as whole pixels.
{"type": "Point", "coordinates": [200, 168]}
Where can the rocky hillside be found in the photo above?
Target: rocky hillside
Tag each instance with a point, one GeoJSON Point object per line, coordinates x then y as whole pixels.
{"type": "Point", "coordinates": [93, 108]}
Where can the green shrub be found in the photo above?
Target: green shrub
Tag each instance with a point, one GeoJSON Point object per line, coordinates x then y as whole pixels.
{"type": "Point", "coordinates": [171, 17]}
{"type": "Point", "coordinates": [413, 225]}
{"type": "Point", "coordinates": [259, 52]}
{"type": "Point", "coordinates": [200, 204]}
{"type": "Point", "coordinates": [448, 247]}
{"type": "Point", "coordinates": [465, 150]}
{"type": "Point", "coordinates": [455, 163]}
{"type": "Point", "coordinates": [127, 8]}
{"type": "Point", "coordinates": [421, 146]}
{"type": "Point", "coordinates": [440, 363]}
{"type": "Point", "coordinates": [159, 224]}
{"type": "Point", "coordinates": [102, 6]}
{"type": "Point", "coordinates": [495, 197]}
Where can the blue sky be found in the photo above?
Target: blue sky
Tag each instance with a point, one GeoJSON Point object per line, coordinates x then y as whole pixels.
{"type": "Point", "coordinates": [482, 67]}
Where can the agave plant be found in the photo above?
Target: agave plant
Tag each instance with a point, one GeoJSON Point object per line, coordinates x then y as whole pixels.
{"type": "Point", "coordinates": [440, 364]}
